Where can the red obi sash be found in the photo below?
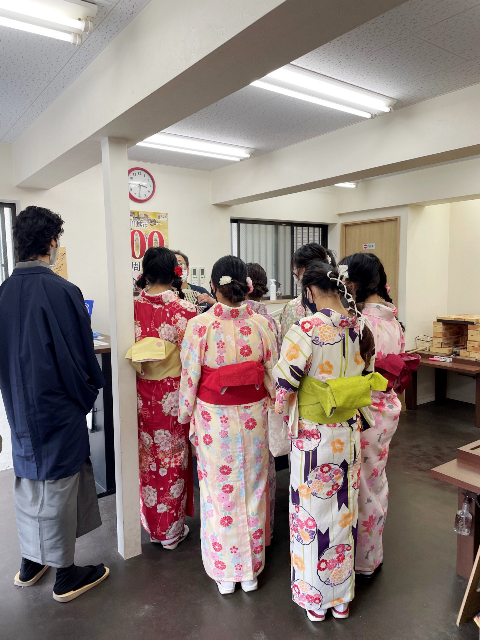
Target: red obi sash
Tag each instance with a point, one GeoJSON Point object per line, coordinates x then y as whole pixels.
{"type": "Point", "coordinates": [233, 384]}
{"type": "Point", "coordinates": [397, 369]}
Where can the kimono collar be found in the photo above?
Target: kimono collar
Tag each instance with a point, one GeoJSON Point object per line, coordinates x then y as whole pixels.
{"type": "Point", "coordinates": [28, 264]}
{"type": "Point", "coordinates": [222, 312]}
{"type": "Point", "coordinates": [329, 316]}
{"type": "Point", "coordinates": [258, 307]}
{"type": "Point", "coordinates": [386, 310]}
{"type": "Point", "coordinates": [159, 298]}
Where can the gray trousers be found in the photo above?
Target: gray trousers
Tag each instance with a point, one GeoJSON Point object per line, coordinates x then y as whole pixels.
{"type": "Point", "coordinates": [51, 514]}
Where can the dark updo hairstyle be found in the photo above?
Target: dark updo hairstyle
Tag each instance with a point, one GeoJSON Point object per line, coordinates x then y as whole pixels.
{"type": "Point", "coordinates": [237, 290]}
{"type": "Point", "coordinates": [316, 276]}
{"type": "Point", "coordinates": [367, 272]}
{"type": "Point", "coordinates": [258, 276]}
{"type": "Point", "coordinates": [158, 267]}
{"type": "Point", "coordinates": [309, 252]}
{"type": "Point", "coordinates": [34, 229]}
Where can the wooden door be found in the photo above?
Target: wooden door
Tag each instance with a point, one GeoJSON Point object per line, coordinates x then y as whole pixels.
{"type": "Point", "coordinates": [383, 236]}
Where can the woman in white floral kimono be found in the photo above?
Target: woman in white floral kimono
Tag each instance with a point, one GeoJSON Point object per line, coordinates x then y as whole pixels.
{"type": "Point", "coordinates": [320, 388]}
{"type": "Point", "coordinates": [228, 355]}
{"type": "Point", "coordinates": [166, 473]}
{"type": "Point", "coordinates": [367, 281]}
{"type": "Point", "coordinates": [300, 307]}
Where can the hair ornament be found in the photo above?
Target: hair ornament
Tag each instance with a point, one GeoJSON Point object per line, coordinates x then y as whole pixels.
{"type": "Point", "coordinates": [225, 280]}
{"type": "Point", "coordinates": [329, 260]}
{"type": "Point", "coordinates": [387, 287]}
{"type": "Point", "coordinates": [178, 271]}
{"type": "Point", "coordinates": [339, 279]}
{"type": "Point", "coordinates": [343, 271]}
{"type": "Point", "coordinates": [250, 284]}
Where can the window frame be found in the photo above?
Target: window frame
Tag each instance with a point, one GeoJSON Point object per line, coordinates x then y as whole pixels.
{"type": "Point", "coordinates": [323, 232]}
{"type": "Point", "coordinates": [4, 265]}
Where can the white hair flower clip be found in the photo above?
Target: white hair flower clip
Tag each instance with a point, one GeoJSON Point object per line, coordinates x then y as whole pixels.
{"type": "Point", "coordinates": [343, 271]}
{"type": "Point", "coordinates": [225, 280]}
{"type": "Point", "coordinates": [329, 260]}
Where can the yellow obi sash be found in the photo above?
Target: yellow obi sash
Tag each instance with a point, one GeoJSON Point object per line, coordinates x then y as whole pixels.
{"type": "Point", "coordinates": [337, 400]}
{"type": "Point", "coordinates": [155, 359]}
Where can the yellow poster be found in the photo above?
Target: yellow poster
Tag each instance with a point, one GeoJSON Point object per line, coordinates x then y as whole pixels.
{"type": "Point", "coordinates": [60, 267]}
{"type": "Point", "coordinates": [147, 230]}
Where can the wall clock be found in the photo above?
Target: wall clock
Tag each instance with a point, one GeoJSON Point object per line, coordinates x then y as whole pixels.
{"type": "Point", "coordinates": [141, 184]}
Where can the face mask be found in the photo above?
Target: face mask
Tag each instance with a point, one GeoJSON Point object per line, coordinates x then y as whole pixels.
{"type": "Point", "coordinates": [54, 255]}
{"type": "Point", "coordinates": [184, 274]}
{"type": "Point", "coordinates": [214, 293]}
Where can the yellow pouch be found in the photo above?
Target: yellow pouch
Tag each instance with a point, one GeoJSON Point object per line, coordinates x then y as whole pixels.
{"type": "Point", "coordinates": [155, 359]}
{"type": "Point", "coordinates": [337, 400]}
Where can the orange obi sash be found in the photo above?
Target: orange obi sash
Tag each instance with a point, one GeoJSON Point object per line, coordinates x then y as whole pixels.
{"type": "Point", "coordinates": [233, 384]}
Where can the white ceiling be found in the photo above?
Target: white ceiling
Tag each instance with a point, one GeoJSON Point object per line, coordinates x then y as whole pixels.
{"type": "Point", "coordinates": [422, 49]}
{"type": "Point", "coordinates": [34, 70]}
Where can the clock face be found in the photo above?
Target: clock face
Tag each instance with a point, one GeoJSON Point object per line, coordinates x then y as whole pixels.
{"type": "Point", "coordinates": [141, 184]}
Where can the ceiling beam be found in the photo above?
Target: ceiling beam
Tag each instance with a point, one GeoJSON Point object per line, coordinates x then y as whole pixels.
{"type": "Point", "coordinates": [439, 130]}
{"type": "Point", "coordinates": [173, 60]}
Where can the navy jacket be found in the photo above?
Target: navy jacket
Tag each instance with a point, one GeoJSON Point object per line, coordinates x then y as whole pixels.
{"type": "Point", "coordinates": [49, 374]}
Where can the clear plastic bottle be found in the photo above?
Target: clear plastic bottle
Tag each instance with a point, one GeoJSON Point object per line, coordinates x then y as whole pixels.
{"type": "Point", "coordinates": [273, 289]}
{"type": "Point", "coordinates": [463, 520]}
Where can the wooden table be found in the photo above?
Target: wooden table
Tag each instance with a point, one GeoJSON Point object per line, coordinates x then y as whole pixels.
{"type": "Point", "coordinates": [462, 366]}
{"type": "Point", "coordinates": [464, 474]}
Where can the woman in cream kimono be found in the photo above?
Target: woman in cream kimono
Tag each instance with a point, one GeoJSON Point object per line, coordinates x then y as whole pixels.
{"type": "Point", "coordinates": [227, 356]}
{"type": "Point", "coordinates": [300, 307]}
{"type": "Point", "coordinates": [166, 474]}
{"type": "Point", "coordinates": [322, 360]}
{"type": "Point", "coordinates": [367, 281]}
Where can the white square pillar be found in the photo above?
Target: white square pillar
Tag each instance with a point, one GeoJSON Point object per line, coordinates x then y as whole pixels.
{"type": "Point", "coordinates": [120, 293]}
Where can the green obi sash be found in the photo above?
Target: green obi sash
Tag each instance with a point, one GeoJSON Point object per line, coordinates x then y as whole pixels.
{"type": "Point", "coordinates": [337, 400]}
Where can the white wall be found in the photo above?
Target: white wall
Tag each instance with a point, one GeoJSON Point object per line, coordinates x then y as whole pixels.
{"type": "Point", "coordinates": [427, 268]}
{"type": "Point", "coordinates": [464, 264]}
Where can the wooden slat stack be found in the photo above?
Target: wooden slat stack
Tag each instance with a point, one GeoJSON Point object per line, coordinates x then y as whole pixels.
{"type": "Point", "coordinates": [447, 334]}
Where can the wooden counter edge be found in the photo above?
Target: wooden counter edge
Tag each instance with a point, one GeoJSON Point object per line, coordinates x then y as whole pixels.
{"type": "Point", "coordinates": [459, 474]}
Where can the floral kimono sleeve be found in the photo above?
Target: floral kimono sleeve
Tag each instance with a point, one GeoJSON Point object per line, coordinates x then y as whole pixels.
{"type": "Point", "coordinates": [270, 357]}
{"type": "Point", "coordinates": [294, 362]}
{"type": "Point", "coordinates": [180, 321]}
{"type": "Point", "coordinates": [191, 355]}
{"type": "Point", "coordinates": [402, 339]}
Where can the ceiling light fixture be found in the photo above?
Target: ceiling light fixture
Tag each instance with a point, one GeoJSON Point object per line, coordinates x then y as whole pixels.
{"type": "Point", "coordinates": [58, 19]}
{"type": "Point", "coordinates": [313, 85]}
{"type": "Point", "coordinates": [151, 145]}
{"type": "Point", "coordinates": [303, 96]}
{"type": "Point", "coordinates": [347, 185]}
{"type": "Point", "coordinates": [196, 147]}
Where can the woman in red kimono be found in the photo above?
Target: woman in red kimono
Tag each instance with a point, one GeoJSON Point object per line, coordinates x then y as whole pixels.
{"type": "Point", "coordinates": [166, 476]}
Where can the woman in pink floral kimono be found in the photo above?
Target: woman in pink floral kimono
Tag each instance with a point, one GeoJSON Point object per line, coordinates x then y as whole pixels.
{"type": "Point", "coordinates": [166, 476]}
{"type": "Point", "coordinates": [367, 281]}
{"type": "Point", "coordinates": [228, 355]}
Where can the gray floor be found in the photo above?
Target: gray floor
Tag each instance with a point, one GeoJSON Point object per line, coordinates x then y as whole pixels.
{"type": "Point", "coordinates": [164, 594]}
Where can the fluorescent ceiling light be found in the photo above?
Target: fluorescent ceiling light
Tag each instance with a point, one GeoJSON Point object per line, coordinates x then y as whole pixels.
{"type": "Point", "coordinates": [151, 145]}
{"type": "Point", "coordinates": [347, 185]}
{"type": "Point", "coordinates": [314, 85]}
{"type": "Point", "coordinates": [73, 38]}
{"type": "Point", "coordinates": [72, 18]}
{"type": "Point", "coordinates": [194, 146]}
{"type": "Point", "coordinates": [303, 96]}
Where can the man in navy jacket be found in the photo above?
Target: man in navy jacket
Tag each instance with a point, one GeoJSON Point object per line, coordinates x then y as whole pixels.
{"type": "Point", "coordinates": [49, 379]}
